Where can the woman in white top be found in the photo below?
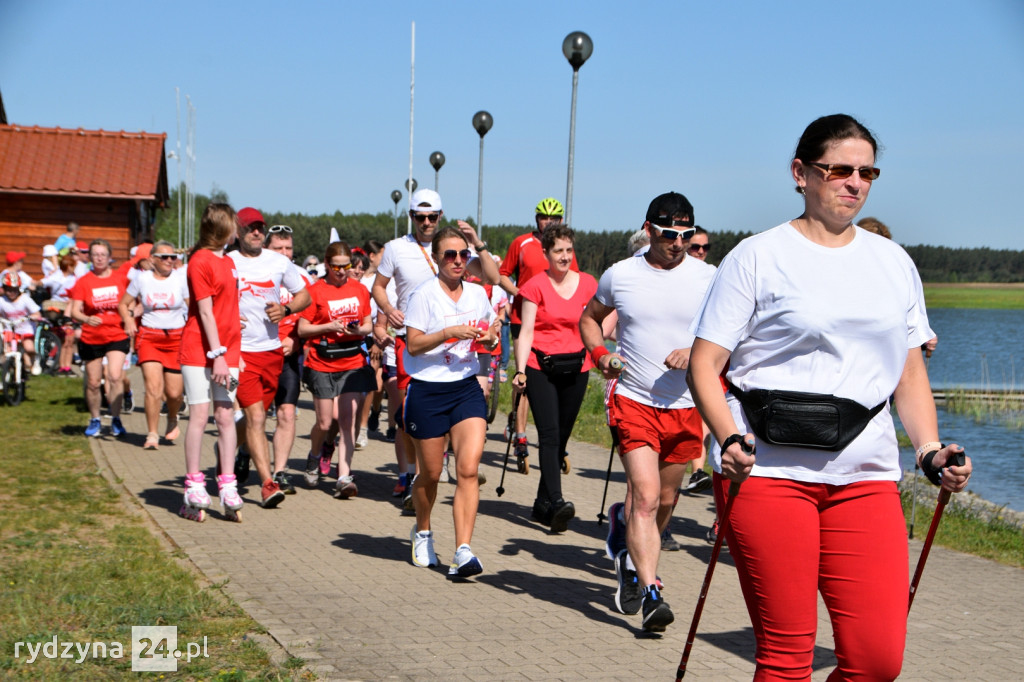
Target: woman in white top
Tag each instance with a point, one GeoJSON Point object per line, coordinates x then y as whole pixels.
{"type": "Point", "coordinates": [445, 316]}
{"type": "Point", "coordinates": [162, 293]}
{"type": "Point", "coordinates": [818, 305]}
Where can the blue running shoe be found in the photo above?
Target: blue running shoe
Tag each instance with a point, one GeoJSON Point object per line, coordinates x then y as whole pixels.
{"type": "Point", "coordinates": [94, 428]}
{"type": "Point", "coordinates": [616, 541]}
{"type": "Point", "coordinates": [465, 564]}
{"type": "Point", "coordinates": [117, 428]}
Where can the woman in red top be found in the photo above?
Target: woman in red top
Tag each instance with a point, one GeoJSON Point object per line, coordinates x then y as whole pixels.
{"type": "Point", "coordinates": [552, 365]}
{"type": "Point", "coordinates": [94, 300]}
{"type": "Point", "coordinates": [210, 357]}
{"type": "Point", "coordinates": [336, 369]}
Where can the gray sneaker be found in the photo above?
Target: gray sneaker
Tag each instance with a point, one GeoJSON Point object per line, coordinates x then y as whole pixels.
{"type": "Point", "coordinates": [312, 473]}
{"type": "Point", "coordinates": [669, 543]}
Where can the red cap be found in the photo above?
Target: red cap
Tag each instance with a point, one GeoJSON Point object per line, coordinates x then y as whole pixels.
{"type": "Point", "coordinates": [82, 246]}
{"type": "Point", "coordinates": [143, 251]}
{"type": "Point", "coordinates": [248, 215]}
{"type": "Point", "coordinates": [14, 256]}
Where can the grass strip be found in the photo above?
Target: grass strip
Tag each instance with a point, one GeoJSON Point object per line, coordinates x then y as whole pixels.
{"type": "Point", "coordinates": [76, 564]}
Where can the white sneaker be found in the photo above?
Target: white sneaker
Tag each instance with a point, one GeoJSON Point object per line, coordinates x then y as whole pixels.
{"type": "Point", "coordinates": [36, 368]}
{"type": "Point", "coordinates": [362, 440]}
{"type": "Point", "coordinates": [422, 547]}
{"type": "Point", "coordinates": [465, 564]}
{"type": "Point", "coordinates": [445, 476]}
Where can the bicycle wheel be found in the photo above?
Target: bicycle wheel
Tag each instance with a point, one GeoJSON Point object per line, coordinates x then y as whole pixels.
{"type": "Point", "coordinates": [12, 389]}
{"type": "Point", "coordinates": [492, 408]}
{"type": "Point", "coordinates": [48, 351]}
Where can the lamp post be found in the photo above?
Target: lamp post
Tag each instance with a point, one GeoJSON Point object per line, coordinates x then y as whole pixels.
{"type": "Point", "coordinates": [396, 196]}
{"type": "Point", "coordinates": [436, 160]}
{"type": "Point", "coordinates": [577, 48]}
{"type": "Point", "coordinates": [411, 187]}
{"type": "Point", "coordinates": [482, 122]}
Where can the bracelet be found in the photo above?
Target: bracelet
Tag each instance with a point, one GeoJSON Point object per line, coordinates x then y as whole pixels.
{"type": "Point", "coordinates": [482, 247]}
{"type": "Point", "coordinates": [287, 310]}
{"type": "Point", "coordinates": [518, 373]}
{"type": "Point", "coordinates": [216, 353]}
{"type": "Point", "coordinates": [598, 353]}
{"type": "Point", "coordinates": [925, 449]}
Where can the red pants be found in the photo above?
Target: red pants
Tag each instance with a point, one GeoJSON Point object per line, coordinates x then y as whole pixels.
{"type": "Point", "coordinates": [790, 540]}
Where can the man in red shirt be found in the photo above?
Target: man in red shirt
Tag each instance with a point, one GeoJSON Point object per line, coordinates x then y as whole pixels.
{"type": "Point", "coordinates": [524, 259]}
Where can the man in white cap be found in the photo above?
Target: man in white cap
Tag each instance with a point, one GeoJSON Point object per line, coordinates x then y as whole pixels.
{"type": "Point", "coordinates": [408, 261]}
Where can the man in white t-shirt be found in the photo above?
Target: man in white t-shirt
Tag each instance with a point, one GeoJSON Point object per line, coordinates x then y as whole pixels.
{"type": "Point", "coordinates": [408, 261]}
{"type": "Point", "coordinates": [655, 296]}
{"type": "Point", "coordinates": [261, 274]}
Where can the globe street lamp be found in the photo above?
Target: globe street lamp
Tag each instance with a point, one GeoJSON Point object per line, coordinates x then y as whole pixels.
{"type": "Point", "coordinates": [411, 187]}
{"type": "Point", "coordinates": [436, 160]}
{"type": "Point", "coordinates": [482, 122]}
{"type": "Point", "coordinates": [396, 196]}
{"type": "Point", "coordinates": [577, 48]}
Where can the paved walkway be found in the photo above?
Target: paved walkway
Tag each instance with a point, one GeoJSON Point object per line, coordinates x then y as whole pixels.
{"type": "Point", "coordinates": [332, 582]}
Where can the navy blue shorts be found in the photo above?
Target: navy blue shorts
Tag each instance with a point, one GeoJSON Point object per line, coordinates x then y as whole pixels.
{"type": "Point", "coordinates": [432, 408]}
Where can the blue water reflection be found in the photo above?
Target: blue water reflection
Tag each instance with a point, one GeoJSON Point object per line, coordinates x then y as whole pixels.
{"type": "Point", "coordinates": [977, 348]}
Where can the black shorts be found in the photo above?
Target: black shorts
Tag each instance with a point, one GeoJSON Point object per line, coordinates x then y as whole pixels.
{"type": "Point", "coordinates": [513, 329]}
{"type": "Point", "coordinates": [288, 382]}
{"type": "Point", "coordinates": [95, 351]}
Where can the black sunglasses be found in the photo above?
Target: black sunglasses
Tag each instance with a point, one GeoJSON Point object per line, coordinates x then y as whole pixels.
{"type": "Point", "coordinates": [700, 247]}
{"type": "Point", "coordinates": [450, 254]}
{"type": "Point", "coordinates": [166, 256]}
{"type": "Point", "coordinates": [422, 217]}
{"type": "Point", "coordinates": [843, 171]}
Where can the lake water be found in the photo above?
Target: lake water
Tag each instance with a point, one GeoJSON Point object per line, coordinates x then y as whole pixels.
{"type": "Point", "coordinates": [981, 349]}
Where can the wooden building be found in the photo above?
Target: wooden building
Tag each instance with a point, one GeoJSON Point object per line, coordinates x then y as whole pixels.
{"type": "Point", "coordinates": [110, 183]}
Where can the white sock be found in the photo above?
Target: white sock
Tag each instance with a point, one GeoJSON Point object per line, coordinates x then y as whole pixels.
{"type": "Point", "coordinates": [629, 562]}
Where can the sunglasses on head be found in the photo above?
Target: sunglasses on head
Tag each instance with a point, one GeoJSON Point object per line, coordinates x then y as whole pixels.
{"type": "Point", "coordinates": [672, 235]}
{"type": "Point", "coordinates": [339, 268]}
{"type": "Point", "coordinates": [699, 247]}
{"type": "Point", "coordinates": [423, 217]}
{"type": "Point", "coordinates": [450, 254]}
{"type": "Point", "coordinates": [843, 171]}
{"type": "Point", "coordinates": [279, 228]}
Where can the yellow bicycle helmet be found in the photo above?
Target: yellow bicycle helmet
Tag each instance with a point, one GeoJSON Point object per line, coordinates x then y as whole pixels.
{"type": "Point", "coordinates": [550, 206]}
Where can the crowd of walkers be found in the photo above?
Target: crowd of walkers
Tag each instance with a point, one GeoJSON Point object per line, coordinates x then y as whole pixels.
{"type": "Point", "coordinates": [784, 360]}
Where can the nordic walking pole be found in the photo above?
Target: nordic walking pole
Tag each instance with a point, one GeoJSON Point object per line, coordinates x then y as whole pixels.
{"type": "Point", "coordinates": [723, 523]}
{"type": "Point", "coordinates": [511, 431]}
{"type": "Point", "coordinates": [913, 501]}
{"type": "Point", "coordinates": [607, 477]}
{"type": "Point", "coordinates": [958, 460]}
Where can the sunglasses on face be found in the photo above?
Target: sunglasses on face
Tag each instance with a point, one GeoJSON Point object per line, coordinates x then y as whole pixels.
{"type": "Point", "coordinates": [843, 171]}
{"type": "Point", "coordinates": [672, 235]}
{"type": "Point", "coordinates": [255, 227]}
{"type": "Point", "coordinates": [339, 268]}
{"type": "Point", "coordinates": [279, 228]}
{"type": "Point", "coordinates": [166, 256]}
{"type": "Point", "coordinates": [450, 255]}
{"type": "Point", "coordinates": [699, 247]}
{"type": "Point", "coordinates": [423, 217]}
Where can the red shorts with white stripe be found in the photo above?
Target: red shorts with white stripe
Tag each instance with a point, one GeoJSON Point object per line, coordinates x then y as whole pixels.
{"type": "Point", "coordinates": [675, 434]}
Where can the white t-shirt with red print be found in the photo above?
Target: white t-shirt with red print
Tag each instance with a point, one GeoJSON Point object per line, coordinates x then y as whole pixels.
{"type": "Point", "coordinates": [260, 279]}
{"type": "Point", "coordinates": [17, 311]}
{"type": "Point", "coordinates": [164, 301]}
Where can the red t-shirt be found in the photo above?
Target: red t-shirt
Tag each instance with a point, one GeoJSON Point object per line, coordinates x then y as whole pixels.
{"type": "Point", "coordinates": [350, 303]}
{"type": "Point", "coordinates": [210, 276]}
{"type": "Point", "coordinates": [524, 259]}
{"type": "Point", "coordinates": [557, 326]}
{"type": "Point", "coordinates": [100, 296]}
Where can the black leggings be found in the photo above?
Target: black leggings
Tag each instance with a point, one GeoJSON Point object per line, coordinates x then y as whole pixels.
{"type": "Point", "coordinates": [555, 403]}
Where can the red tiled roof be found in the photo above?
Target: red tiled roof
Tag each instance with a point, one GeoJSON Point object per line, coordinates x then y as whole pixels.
{"type": "Point", "coordinates": [80, 162]}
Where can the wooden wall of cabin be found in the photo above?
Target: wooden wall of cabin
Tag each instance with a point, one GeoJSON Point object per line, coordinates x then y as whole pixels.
{"type": "Point", "coordinates": [29, 222]}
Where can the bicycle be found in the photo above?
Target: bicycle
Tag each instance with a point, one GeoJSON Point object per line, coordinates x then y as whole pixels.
{"type": "Point", "coordinates": [12, 384]}
{"type": "Point", "coordinates": [47, 340]}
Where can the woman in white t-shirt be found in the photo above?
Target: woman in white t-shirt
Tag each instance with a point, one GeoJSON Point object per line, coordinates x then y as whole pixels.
{"type": "Point", "coordinates": [818, 305]}
{"type": "Point", "coordinates": [445, 316]}
{"type": "Point", "coordinates": [162, 293]}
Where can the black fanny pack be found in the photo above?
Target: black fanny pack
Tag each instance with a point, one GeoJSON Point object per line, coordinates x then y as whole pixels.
{"type": "Point", "coordinates": [560, 364]}
{"type": "Point", "coordinates": [806, 420]}
{"type": "Point", "coordinates": [340, 349]}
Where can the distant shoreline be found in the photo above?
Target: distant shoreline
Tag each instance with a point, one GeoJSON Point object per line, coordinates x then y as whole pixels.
{"type": "Point", "coordinates": [976, 295]}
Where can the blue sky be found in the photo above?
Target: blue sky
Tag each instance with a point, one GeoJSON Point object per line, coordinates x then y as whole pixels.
{"type": "Point", "coordinates": [304, 106]}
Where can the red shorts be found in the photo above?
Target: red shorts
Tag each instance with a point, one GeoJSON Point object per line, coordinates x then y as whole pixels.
{"type": "Point", "coordinates": [159, 345]}
{"type": "Point", "coordinates": [258, 382]}
{"type": "Point", "coordinates": [403, 377]}
{"type": "Point", "coordinates": [675, 434]}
